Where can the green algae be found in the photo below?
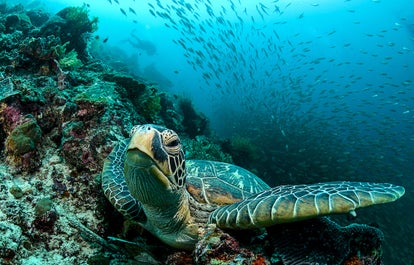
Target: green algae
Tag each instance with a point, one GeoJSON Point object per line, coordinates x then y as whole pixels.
{"type": "Point", "coordinates": [150, 105]}
{"type": "Point", "coordinates": [24, 138]}
{"type": "Point", "coordinates": [16, 191]}
{"type": "Point", "coordinates": [244, 152]}
{"type": "Point", "coordinates": [79, 19]}
{"type": "Point", "coordinates": [70, 60]}
{"type": "Point", "coordinates": [203, 148]}
{"type": "Point", "coordinates": [42, 206]}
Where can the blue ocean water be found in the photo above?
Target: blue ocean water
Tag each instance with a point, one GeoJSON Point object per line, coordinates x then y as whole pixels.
{"type": "Point", "coordinates": [323, 88]}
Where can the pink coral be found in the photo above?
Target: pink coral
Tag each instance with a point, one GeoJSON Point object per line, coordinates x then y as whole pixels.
{"type": "Point", "coordinates": [219, 247]}
{"type": "Point", "coordinates": [10, 116]}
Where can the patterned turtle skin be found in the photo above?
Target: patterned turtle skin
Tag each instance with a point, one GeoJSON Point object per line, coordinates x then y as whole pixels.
{"type": "Point", "coordinates": [147, 179]}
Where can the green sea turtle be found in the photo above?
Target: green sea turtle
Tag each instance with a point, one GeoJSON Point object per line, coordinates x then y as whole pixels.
{"type": "Point", "coordinates": [147, 178]}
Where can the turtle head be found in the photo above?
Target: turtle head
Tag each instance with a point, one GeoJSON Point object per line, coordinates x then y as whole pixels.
{"type": "Point", "coordinates": [154, 171]}
{"type": "Point", "coordinates": [155, 152]}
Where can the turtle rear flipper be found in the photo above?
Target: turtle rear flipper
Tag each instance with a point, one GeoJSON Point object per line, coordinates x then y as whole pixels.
{"type": "Point", "coordinates": [115, 187]}
{"type": "Point", "coordinates": [291, 203]}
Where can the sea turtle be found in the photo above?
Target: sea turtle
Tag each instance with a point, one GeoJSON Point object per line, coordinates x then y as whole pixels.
{"type": "Point", "coordinates": [147, 178]}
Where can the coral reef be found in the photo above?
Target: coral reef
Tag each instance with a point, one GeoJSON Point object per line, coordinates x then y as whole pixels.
{"type": "Point", "coordinates": [244, 151]}
{"type": "Point", "coordinates": [10, 241]}
{"type": "Point", "coordinates": [73, 24]}
{"type": "Point", "coordinates": [317, 241]}
{"type": "Point", "coordinates": [217, 247]}
{"type": "Point", "coordinates": [194, 123]}
{"type": "Point", "coordinates": [170, 117]}
{"type": "Point", "coordinates": [46, 44]}
{"type": "Point", "coordinates": [17, 21]}
{"type": "Point", "coordinates": [203, 148]}
{"type": "Point", "coordinates": [59, 119]}
{"type": "Point", "coordinates": [70, 60]}
{"type": "Point", "coordinates": [322, 241]}
{"type": "Point", "coordinates": [6, 88]}
{"type": "Point", "coordinates": [60, 116]}
{"type": "Point", "coordinates": [144, 97]}
{"type": "Point", "coordinates": [22, 144]}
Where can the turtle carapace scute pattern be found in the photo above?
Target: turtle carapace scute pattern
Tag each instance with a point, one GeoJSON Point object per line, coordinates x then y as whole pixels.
{"type": "Point", "coordinates": [147, 178]}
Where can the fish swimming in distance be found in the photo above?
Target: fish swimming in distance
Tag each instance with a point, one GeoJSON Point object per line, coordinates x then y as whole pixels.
{"type": "Point", "coordinates": [132, 11]}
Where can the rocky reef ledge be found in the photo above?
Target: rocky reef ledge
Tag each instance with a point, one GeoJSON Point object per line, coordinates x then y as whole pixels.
{"type": "Point", "coordinates": [61, 112]}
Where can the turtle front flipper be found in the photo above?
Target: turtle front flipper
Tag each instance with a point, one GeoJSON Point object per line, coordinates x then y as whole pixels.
{"type": "Point", "coordinates": [115, 187]}
{"type": "Point", "coordinates": [291, 203]}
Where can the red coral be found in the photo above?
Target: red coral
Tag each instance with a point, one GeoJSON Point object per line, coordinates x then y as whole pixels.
{"type": "Point", "coordinates": [90, 111]}
{"type": "Point", "coordinates": [179, 258]}
{"type": "Point", "coordinates": [219, 246]}
{"type": "Point", "coordinates": [10, 115]}
{"type": "Point", "coordinates": [87, 157]}
{"type": "Point", "coordinates": [46, 221]}
{"type": "Point", "coordinates": [61, 76]}
{"type": "Point", "coordinates": [82, 112]}
{"type": "Point", "coordinates": [354, 260]}
{"type": "Point", "coordinates": [28, 161]}
{"type": "Point", "coordinates": [260, 260]}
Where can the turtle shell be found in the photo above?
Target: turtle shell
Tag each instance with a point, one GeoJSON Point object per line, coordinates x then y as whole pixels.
{"type": "Point", "coordinates": [220, 183]}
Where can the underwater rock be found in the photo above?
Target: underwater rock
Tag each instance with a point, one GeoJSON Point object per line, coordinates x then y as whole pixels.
{"type": "Point", "coordinates": [22, 145]}
{"type": "Point", "coordinates": [6, 89]}
{"type": "Point", "coordinates": [132, 87]}
{"type": "Point", "coordinates": [9, 241]}
{"type": "Point", "coordinates": [204, 149]}
{"type": "Point", "coordinates": [19, 8]}
{"type": "Point", "coordinates": [40, 48]}
{"type": "Point", "coordinates": [42, 206]}
{"type": "Point", "coordinates": [16, 191]}
{"type": "Point", "coordinates": [316, 241]}
{"type": "Point", "coordinates": [168, 113]}
{"type": "Point", "coordinates": [17, 22]}
{"type": "Point", "coordinates": [99, 260]}
{"type": "Point", "coordinates": [322, 241]}
{"type": "Point", "coordinates": [70, 61]}
{"type": "Point", "coordinates": [38, 17]}
{"type": "Point", "coordinates": [81, 149]}
{"type": "Point", "coordinates": [46, 221]}
{"type": "Point", "coordinates": [217, 247]}
{"type": "Point", "coordinates": [194, 123]}
{"type": "Point", "coordinates": [10, 116]}
{"type": "Point", "coordinates": [89, 108]}
{"type": "Point", "coordinates": [144, 97]}
{"type": "Point", "coordinates": [180, 258]}
{"type": "Point", "coordinates": [70, 25]}
{"type": "Point", "coordinates": [56, 127]}
{"type": "Point", "coordinates": [244, 151]}
{"type": "Point", "coordinates": [3, 8]}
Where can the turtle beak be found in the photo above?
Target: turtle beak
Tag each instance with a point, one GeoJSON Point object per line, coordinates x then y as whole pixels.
{"type": "Point", "coordinates": [143, 178]}
{"type": "Point", "coordinates": [136, 159]}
